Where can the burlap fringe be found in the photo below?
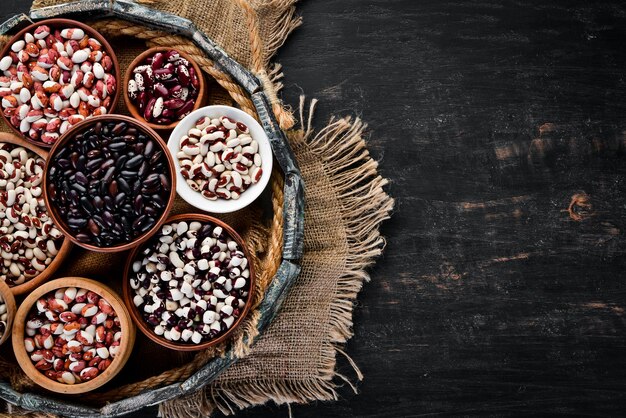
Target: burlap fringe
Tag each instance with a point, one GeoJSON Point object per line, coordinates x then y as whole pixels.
{"type": "Point", "coordinates": [365, 205]}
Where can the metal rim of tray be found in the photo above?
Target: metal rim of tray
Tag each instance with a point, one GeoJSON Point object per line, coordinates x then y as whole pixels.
{"type": "Point", "coordinates": [293, 205]}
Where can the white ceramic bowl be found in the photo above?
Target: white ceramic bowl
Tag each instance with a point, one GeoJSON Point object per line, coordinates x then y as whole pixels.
{"type": "Point", "coordinates": [256, 131]}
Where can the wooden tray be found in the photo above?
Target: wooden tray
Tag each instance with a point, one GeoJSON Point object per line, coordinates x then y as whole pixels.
{"type": "Point", "coordinates": [292, 211]}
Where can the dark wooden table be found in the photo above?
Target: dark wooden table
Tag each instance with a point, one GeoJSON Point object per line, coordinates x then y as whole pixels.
{"type": "Point", "coordinates": [502, 127]}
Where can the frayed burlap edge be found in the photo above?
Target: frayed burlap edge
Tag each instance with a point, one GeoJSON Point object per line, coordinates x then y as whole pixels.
{"type": "Point", "coordinates": [346, 161]}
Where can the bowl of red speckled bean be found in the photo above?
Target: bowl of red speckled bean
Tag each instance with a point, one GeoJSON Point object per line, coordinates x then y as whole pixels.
{"type": "Point", "coordinates": [54, 74]}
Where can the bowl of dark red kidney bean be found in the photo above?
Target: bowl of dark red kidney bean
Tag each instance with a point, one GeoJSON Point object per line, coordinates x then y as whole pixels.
{"type": "Point", "coordinates": [7, 311]}
{"type": "Point", "coordinates": [109, 183]}
{"type": "Point", "coordinates": [162, 86]}
{"type": "Point", "coordinates": [54, 74]}
{"type": "Point", "coordinates": [223, 158]}
{"type": "Point", "coordinates": [191, 284]}
{"type": "Point", "coordinates": [72, 335]}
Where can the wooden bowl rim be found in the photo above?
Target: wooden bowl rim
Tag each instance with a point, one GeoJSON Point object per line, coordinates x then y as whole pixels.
{"type": "Point", "coordinates": [93, 33]}
{"type": "Point", "coordinates": [78, 128]}
{"type": "Point", "coordinates": [143, 326]}
{"type": "Point", "coordinates": [7, 295]}
{"type": "Point", "coordinates": [138, 59]}
{"type": "Point", "coordinates": [67, 245]}
{"type": "Point", "coordinates": [126, 324]}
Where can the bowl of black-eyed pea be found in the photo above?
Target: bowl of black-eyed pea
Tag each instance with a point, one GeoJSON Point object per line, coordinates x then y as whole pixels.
{"type": "Point", "coordinates": [189, 286]}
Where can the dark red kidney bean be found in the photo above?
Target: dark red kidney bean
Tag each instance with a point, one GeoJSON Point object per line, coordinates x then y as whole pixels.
{"type": "Point", "coordinates": [185, 109]}
{"type": "Point", "coordinates": [157, 60]}
{"type": "Point", "coordinates": [173, 104]}
{"type": "Point", "coordinates": [160, 90]}
{"type": "Point", "coordinates": [147, 113]}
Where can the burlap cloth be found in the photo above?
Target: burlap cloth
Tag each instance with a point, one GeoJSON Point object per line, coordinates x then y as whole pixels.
{"type": "Point", "coordinates": [294, 359]}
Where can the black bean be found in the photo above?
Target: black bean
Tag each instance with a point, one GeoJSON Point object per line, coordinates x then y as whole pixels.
{"type": "Point", "coordinates": [165, 182]}
{"type": "Point", "coordinates": [93, 164]}
{"type": "Point", "coordinates": [117, 146]}
{"type": "Point", "coordinates": [77, 222]}
{"type": "Point", "coordinates": [123, 185]}
{"type": "Point", "coordinates": [98, 202]}
{"type": "Point", "coordinates": [86, 203]}
{"type": "Point", "coordinates": [149, 149]}
{"type": "Point", "coordinates": [143, 169]}
{"type": "Point", "coordinates": [134, 162]}
{"type": "Point", "coordinates": [129, 174]}
{"type": "Point", "coordinates": [109, 175]}
{"type": "Point", "coordinates": [119, 199]}
{"type": "Point", "coordinates": [81, 178]}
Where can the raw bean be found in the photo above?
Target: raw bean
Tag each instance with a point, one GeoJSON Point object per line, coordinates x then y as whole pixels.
{"type": "Point", "coordinates": [202, 287]}
{"type": "Point", "coordinates": [69, 344]}
{"type": "Point", "coordinates": [4, 317]}
{"type": "Point", "coordinates": [106, 187]}
{"type": "Point", "coordinates": [220, 159]}
{"type": "Point", "coordinates": [29, 240]}
{"type": "Point", "coordinates": [158, 84]}
{"type": "Point", "coordinates": [62, 76]}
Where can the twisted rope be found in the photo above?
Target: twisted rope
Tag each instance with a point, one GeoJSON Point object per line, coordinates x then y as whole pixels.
{"type": "Point", "coordinates": [115, 28]}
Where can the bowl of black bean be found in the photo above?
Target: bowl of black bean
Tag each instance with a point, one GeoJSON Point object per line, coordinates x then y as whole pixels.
{"type": "Point", "coordinates": [109, 183]}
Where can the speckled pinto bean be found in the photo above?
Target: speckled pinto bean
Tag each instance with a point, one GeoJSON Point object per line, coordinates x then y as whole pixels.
{"type": "Point", "coordinates": [219, 158]}
{"type": "Point", "coordinates": [54, 78]}
{"type": "Point", "coordinates": [191, 282]}
{"type": "Point", "coordinates": [164, 87]}
{"type": "Point", "coordinates": [72, 335]}
{"type": "Point", "coordinates": [29, 240]}
{"type": "Point", "coordinates": [4, 317]}
{"type": "Point", "coordinates": [110, 183]}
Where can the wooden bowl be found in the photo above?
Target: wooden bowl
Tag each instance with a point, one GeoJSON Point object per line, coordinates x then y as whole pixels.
{"type": "Point", "coordinates": [7, 296]}
{"type": "Point", "coordinates": [126, 346]}
{"type": "Point", "coordinates": [66, 247]}
{"type": "Point", "coordinates": [80, 127]}
{"type": "Point", "coordinates": [55, 23]}
{"type": "Point", "coordinates": [134, 111]}
{"type": "Point", "coordinates": [143, 326]}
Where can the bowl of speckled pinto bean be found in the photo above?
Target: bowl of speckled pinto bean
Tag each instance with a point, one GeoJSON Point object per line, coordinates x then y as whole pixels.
{"type": "Point", "coordinates": [31, 246]}
{"type": "Point", "coordinates": [72, 335]}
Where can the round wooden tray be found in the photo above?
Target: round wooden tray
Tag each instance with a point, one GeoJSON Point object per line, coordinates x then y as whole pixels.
{"type": "Point", "coordinates": [66, 247]}
{"type": "Point", "coordinates": [286, 234]}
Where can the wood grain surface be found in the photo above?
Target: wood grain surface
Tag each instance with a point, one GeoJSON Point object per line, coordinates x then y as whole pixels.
{"type": "Point", "coordinates": [502, 127]}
